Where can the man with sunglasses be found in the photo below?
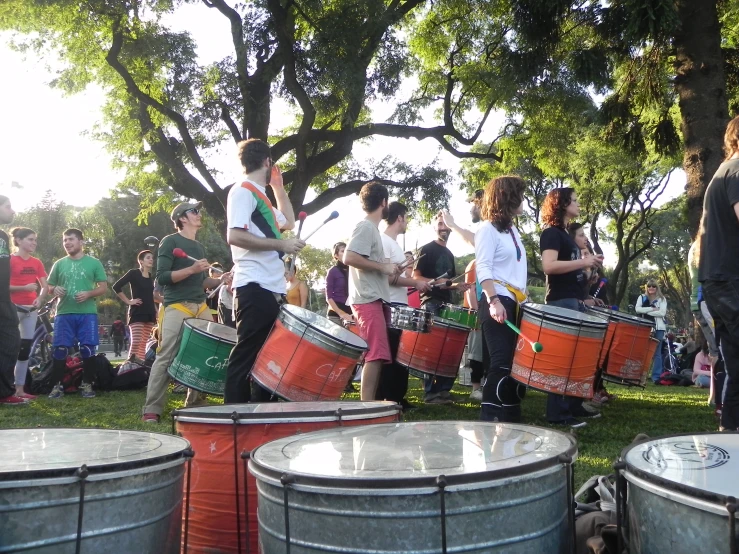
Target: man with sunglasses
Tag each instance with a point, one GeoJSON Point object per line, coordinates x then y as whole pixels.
{"type": "Point", "coordinates": [183, 282]}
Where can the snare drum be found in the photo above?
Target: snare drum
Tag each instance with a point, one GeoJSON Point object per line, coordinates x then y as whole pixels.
{"type": "Point", "coordinates": [427, 486]}
{"type": "Point", "coordinates": [307, 357]}
{"type": "Point", "coordinates": [220, 434]}
{"type": "Point", "coordinates": [460, 314]}
{"type": "Point", "coordinates": [679, 491]}
{"type": "Point", "coordinates": [405, 318]}
{"type": "Point", "coordinates": [572, 342]}
{"type": "Point", "coordinates": [91, 490]}
{"type": "Point", "coordinates": [437, 353]}
{"type": "Point", "coordinates": [202, 360]}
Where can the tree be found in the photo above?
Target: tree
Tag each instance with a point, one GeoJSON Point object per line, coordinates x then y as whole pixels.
{"type": "Point", "coordinates": [49, 219]}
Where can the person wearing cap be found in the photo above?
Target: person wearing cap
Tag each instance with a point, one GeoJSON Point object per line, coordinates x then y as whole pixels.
{"type": "Point", "coordinates": [183, 283]}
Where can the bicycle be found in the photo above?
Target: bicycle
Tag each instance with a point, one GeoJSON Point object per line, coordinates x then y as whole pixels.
{"type": "Point", "coordinates": [40, 354]}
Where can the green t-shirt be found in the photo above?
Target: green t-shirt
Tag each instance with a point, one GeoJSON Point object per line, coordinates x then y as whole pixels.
{"type": "Point", "coordinates": [77, 276]}
{"type": "Point", "coordinates": [189, 289]}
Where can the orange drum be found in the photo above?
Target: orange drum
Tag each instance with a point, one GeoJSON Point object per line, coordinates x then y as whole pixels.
{"type": "Point", "coordinates": [436, 353]}
{"type": "Point", "coordinates": [654, 344]}
{"type": "Point", "coordinates": [223, 436]}
{"type": "Point", "coordinates": [352, 326]}
{"type": "Point", "coordinates": [572, 343]}
{"type": "Point", "coordinates": [605, 313]}
{"type": "Point", "coordinates": [307, 357]}
{"type": "Point", "coordinates": [625, 361]}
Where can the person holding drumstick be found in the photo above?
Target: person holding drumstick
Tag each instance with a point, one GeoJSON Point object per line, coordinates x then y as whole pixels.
{"type": "Point", "coordinates": [502, 270]}
{"type": "Point", "coordinates": [184, 282]}
{"type": "Point", "coordinates": [257, 247]}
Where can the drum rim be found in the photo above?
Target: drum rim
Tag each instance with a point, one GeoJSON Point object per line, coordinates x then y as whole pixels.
{"type": "Point", "coordinates": [288, 309]}
{"type": "Point", "coordinates": [454, 307]}
{"type": "Point", "coordinates": [673, 485]}
{"type": "Point", "coordinates": [93, 469]}
{"type": "Point", "coordinates": [591, 321]}
{"type": "Point", "coordinates": [622, 317]}
{"type": "Point", "coordinates": [300, 478]}
{"type": "Point", "coordinates": [206, 333]}
{"type": "Point", "coordinates": [438, 320]}
{"type": "Point", "coordinates": [388, 408]}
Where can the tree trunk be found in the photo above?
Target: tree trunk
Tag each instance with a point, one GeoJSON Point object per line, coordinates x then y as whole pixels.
{"type": "Point", "coordinates": [701, 87]}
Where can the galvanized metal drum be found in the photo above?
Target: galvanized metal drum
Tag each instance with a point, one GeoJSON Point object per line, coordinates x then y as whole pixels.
{"type": "Point", "coordinates": [682, 494]}
{"type": "Point", "coordinates": [90, 490]}
{"type": "Point", "coordinates": [406, 318]}
{"type": "Point", "coordinates": [422, 487]}
{"type": "Point", "coordinates": [223, 499]}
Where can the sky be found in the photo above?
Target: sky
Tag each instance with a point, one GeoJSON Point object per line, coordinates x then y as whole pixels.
{"type": "Point", "coordinates": [46, 143]}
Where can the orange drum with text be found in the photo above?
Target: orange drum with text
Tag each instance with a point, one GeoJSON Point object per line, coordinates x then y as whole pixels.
{"type": "Point", "coordinates": [572, 343]}
{"type": "Point", "coordinates": [220, 435]}
{"type": "Point", "coordinates": [307, 357]}
{"type": "Point", "coordinates": [626, 362]}
{"type": "Point", "coordinates": [436, 353]}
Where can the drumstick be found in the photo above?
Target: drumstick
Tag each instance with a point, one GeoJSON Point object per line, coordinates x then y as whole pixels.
{"type": "Point", "coordinates": [180, 253]}
{"type": "Point", "coordinates": [214, 291]}
{"type": "Point", "coordinates": [458, 277]}
{"type": "Point", "coordinates": [301, 218]}
{"type": "Point", "coordinates": [408, 263]}
{"type": "Point", "coordinates": [333, 215]}
{"type": "Point", "coordinates": [535, 346]}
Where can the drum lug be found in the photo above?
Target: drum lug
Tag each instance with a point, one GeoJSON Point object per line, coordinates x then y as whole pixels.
{"type": "Point", "coordinates": [339, 417]}
{"type": "Point", "coordinates": [621, 540]}
{"type": "Point", "coordinates": [566, 460]}
{"type": "Point", "coordinates": [235, 420]}
{"type": "Point", "coordinates": [82, 473]}
{"type": "Point", "coordinates": [731, 507]}
{"type": "Point", "coordinates": [441, 483]}
{"type": "Point", "coordinates": [189, 454]}
{"type": "Point", "coordinates": [246, 456]}
{"type": "Point", "coordinates": [286, 480]}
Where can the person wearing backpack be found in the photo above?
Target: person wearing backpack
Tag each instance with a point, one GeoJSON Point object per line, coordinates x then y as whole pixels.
{"type": "Point", "coordinates": [652, 305]}
{"type": "Point", "coordinates": [118, 331]}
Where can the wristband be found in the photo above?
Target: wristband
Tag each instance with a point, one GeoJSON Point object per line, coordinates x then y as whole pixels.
{"type": "Point", "coordinates": [492, 299]}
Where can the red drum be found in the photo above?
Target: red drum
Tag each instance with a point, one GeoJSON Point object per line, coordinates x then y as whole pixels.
{"type": "Point", "coordinates": [624, 361]}
{"type": "Point", "coordinates": [572, 342]}
{"type": "Point", "coordinates": [436, 353]}
{"type": "Point", "coordinates": [220, 435]}
{"type": "Point", "coordinates": [307, 357]}
{"type": "Point", "coordinates": [352, 326]}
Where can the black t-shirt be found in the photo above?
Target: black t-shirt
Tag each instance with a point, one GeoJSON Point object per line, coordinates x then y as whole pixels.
{"type": "Point", "coordinates": [720, 245]}
{"type": "Point", "coordinates": [437, 261]}
{"type": "Point", "coordinates": [4, 268]}
{"type": "Point", "coordinates": [142, 288]}
{"type": "Point", "coordinates": [564, 285]}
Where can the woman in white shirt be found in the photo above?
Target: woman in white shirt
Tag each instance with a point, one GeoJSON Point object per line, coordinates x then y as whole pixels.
{"type": "Point", "coordinates": [653, 305]}
{"type": "Point", "coordinates": [502, 272]}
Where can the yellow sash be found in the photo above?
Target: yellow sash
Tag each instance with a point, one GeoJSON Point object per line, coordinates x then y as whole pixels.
{"type": "Point", "coordinates": [518, 294]}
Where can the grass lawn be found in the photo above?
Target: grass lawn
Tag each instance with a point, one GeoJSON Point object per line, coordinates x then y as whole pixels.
{"type": "Point", "coordinates": [655, 411]}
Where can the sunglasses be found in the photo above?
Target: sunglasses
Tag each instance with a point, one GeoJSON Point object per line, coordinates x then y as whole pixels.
{"type": "Point", "coordinates": [194, 211]}
{"type": "Point", "coordinates": [651, 286]}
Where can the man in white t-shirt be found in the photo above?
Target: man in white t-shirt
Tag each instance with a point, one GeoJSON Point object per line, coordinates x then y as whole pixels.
{"type": "Point", "coordinates": [394, 377]}
{"type": "Point", "coordinates": [257, 248]}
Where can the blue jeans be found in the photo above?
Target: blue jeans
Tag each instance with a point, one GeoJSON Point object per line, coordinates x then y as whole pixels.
{"type": "Point", "coordinates": [435, 386]}
{"type": "Point", "coordinates": [703, 381]}
{"type": "Point", "coordinates": [657, 362]}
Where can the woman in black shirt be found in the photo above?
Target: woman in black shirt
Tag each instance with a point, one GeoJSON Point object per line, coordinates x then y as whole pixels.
{"type": "Point", "coordinates": [142, 312]}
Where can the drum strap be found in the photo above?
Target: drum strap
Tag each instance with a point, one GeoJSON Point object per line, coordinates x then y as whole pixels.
{"type": "Point", "coordinates": [185, 310]}
{"type": "Point", "coordinates": [518, 294]}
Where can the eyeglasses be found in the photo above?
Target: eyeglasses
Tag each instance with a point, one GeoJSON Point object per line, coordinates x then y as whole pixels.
{"type": "Point", "coordinates": [651, 286]}
{"type": "Point", "coordinates": [194, 211]}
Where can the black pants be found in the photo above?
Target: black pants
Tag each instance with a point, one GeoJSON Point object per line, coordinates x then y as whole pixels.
{"type": "Point", "coordinates": [225, 316]}
{"type": "Point", "coordinates": [501, 394]}
{"type": "Point", "coordinates": [722, 298]}
{"type": "Point", "coordinates": [256, 312]}
{"type": "Point", "coordinates": [477, 371]}
{"type": "Point", "coordinates": [117, 345]}
{"type": "Point", "coordinates": [10, 344]}
{"type": "Point", "coordinates": [394, 377]}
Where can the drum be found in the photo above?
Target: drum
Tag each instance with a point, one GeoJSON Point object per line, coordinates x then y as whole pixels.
{"type": "Point", "coordinates": [90, 490]}
{"type": "Point", "coordinates": [432, 487]}
{"type": "Point", "coordinates": [463, 316]}
{"type": "Point", "coordinates": [307, 357]}
{"type": "Point", "coordinates": [605, 313]}
{"type": "Point", "coordinates": [351, 326]}
{"type": "Point", "coordinates": [202, 360]}
{"type": "Point", "coordinates": [437, 353]}
{"type": "Point", "coordinates": [406, 318]}
{"type": "Point", "coordinates": [216, 522]}
{"type": "Point", "coordinates": [572, 342]}
{"type": "Point", "coordinates": [625, 359]}
{"type": "Point", "coordinates": [679, 492]}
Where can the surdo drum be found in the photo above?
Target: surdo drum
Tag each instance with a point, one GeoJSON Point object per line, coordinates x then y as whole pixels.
{"type": "Point", "coordinates": [682, 493]}
{"type": "Point", "coordinates": [624, 358]}
{"type": "Point", "coordinates": [424, 487]}
{"type": "Point", "coordinates": [437, 353]}
{"type": "Point", "coordinates": [90, 490]}
{"type": "Point", "coordinates": [223, 507]}
{"type": "Point", "coordinates": [307, 357]}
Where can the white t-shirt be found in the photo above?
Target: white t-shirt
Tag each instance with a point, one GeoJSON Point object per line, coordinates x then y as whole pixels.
{"type": "Point", "coordinates": [497, 258]}
{"type": "Point", "coordinates": [367, 286]}
{"type": "Point", "coordinates": [252, 210]}
{"type": "Point", "coordinates": [394, 253]}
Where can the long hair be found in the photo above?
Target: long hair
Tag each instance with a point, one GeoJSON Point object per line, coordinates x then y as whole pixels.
{"type": "Point", "coordinates": [503, 195]}
{"type": "Point", "coordinates": [731, 138]}
{"type": "Point", "coordinates": [697, 243]}
{"type": "Point", "coordinates": [653, 283]}
{"type": "Point", "coordinates": [555, 205]}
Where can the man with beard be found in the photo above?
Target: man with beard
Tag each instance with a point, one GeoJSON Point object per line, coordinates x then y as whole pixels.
{"type": "Point", "coordinates": [369, 288]}
{"type": "Point", "coordinates": [10, 338]}
{"type": "Point", "coordinates": [436, 260]}
{"type": "Point", "coordinates": [77, 280]}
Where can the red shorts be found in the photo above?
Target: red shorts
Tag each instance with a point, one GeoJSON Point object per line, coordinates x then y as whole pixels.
{"type": "Point", "coordinates": [372, 321]}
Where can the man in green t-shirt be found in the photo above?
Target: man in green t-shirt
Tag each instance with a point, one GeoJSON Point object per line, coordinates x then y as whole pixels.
{"type": "Point", "coordinates": [183, 282]}
{"type": "Point", "coordinates": [76, 280]}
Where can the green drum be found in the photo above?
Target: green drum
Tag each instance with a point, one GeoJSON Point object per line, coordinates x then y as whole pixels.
{"type": "Point", "coordinates": [463, 316]}
{"type": "Point", "coordinates": [203, 356]}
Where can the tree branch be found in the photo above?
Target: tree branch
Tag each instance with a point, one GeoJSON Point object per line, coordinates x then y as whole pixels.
{"type": "Point", "coordinates": [353, 187]}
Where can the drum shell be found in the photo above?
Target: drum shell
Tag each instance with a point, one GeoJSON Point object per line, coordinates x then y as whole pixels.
{"type": "Point", "coordinates": [437, 353]}
{"type": "Point", "coordinates": [212, 523]}
{"type": "Point", "coordinates": [463, 316]}
{"type": "Point", "coordinates": [626, 355]}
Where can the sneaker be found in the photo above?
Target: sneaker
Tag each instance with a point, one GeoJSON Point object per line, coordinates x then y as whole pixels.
{"type": "Point", "coordinates": [86, 390]}
{"type": "Point", "coordinates": [179, 389]}
{"type": "Point", "coordinates": [439, 400]}
{"type": "Point", "coordinates": [150, 418]}
{"type": "Point", "coordinates": [591, 407]}
{"type": "Point", "coordinates": [571, 421]}
{"type": "Point", "coordinates": [26, 396]}
{"type": "Point", "coordinates": [57, 391]}
{"type": "Point", "coordinates": [476, 395]}
{"type": "Point", "coordinates": [600, 398]}
{"type": "Point", "coordinates": [13, 400]}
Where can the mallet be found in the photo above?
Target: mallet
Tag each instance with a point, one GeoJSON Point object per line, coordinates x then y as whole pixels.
{"type": "Point", "coordinates": [301, 218]}
{"type": "Point", "coordinates": [333, 215]}
{"type": "Point", "coordinates": [180, 253]}
{"type": "Point", "coordinates": [535, 346]}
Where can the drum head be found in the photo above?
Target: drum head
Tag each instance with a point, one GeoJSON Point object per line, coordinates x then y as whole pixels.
{"type": "Point", "coordinates": [212, 328]}
{"type": "Point", "coordinates": [703, 465]}
{"type": "Point", "coordinates": [286, 411]}
{"type": "Point", "coordinates": [628, 318]}
{"type": "Point", "coordinates": [34, 453]}
{"type": "Point", "coordinates": [413, 454]}
{"type": "Point", "coordinates": [441, 322]}
{"type": "Point", "coordinates": [324, 325]}
{"type": "Point", "coordinates": [556, 313]}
